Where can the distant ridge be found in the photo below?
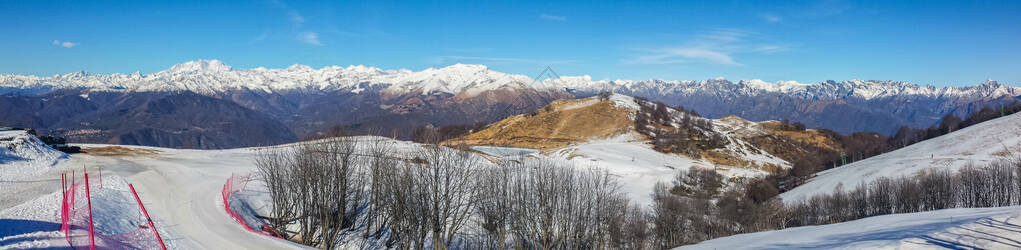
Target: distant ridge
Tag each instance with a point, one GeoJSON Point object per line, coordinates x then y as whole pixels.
{"type": "Point", "coordinates": [304, 101]}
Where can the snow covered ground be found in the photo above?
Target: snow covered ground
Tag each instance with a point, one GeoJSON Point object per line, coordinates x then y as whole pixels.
{"type": "Point", "coordinates": [180, 188]}
{"type": "Point", "coordinates": [962, 228]}
{"type": "Point", "coordinates": [638, 166]}
{"type": "Point", "coordinates": [23, 159]}
{"type": "Point", "coordinates": [976, 145]}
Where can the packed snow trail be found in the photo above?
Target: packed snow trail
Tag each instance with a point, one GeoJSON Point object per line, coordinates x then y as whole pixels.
{"type": "Point", "coordinates": [960, 228]}
{"type": "Point", "coordinates": [181, 188]}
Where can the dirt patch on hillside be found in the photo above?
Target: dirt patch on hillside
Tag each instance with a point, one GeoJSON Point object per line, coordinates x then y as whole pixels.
{"type": "Point", "coordinates": [121, 151]}
{"type": "Point", "coordinates": [557, 125]}
{"type": "Point", "coordinates": [725, 158]}
{"type": "Point", "coordinates": [808, 136]}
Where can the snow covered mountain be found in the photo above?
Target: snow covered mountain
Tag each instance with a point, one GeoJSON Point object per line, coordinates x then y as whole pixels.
{"type": "Point", "coordinates": [309, 101]}
{"type": "Point", "coordinates": [212, 77]}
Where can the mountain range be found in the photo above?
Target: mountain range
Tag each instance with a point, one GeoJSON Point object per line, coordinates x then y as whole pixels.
{"type": "Point", "coordinates": [207, 104]}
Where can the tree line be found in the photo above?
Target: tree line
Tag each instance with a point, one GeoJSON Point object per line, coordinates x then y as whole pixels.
{"type": "Point", "coordinates": [906, 136]}
{"type": "Point", "coordinates": [442, 198]}
{"type": "Point", "coordinates": [994, 185]}
{"type": "Point", "coordinates": [445, 198]}
{"type": "Point", "coordinates": [861, 145]}
{"type": "Point", "coordinates": [699, 206]}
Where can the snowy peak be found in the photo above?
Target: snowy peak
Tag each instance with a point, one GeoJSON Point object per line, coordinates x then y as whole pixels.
{"type": "Point", "coordinates": [465, 67]}
{"type": "Point", "coordinates": [200, 66]}
{"type": "Point", "coordinates": [299, 67]}
{"type": "Point", "coordinates": [213, 76]}
{"type": "Point", "coordinates": [991, 84]}
{"type": "Point", "coordinates": [457, 78]}
{"type": "Point", "coordinates": [780, 86]}
{"type": "Point", "coordinates": [363, 69]}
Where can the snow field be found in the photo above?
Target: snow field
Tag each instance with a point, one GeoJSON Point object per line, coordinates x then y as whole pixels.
{"type": "Point", "coordinates": [976, 145]}
{"type": "Point", "coordinates": [959, 228]}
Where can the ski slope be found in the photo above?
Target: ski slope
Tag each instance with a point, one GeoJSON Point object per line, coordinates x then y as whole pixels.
{"type": "Point", "coordinates": [183, 187]}
{"type": "Point", "coordinates": [976, 145]}
{"type": "Point", "coordinates": [180, 189]}
{"type": "Point", "coordinates": [961, 228]}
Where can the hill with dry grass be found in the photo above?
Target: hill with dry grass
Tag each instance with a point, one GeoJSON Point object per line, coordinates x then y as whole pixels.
{"type": "Point", "coordinates": [781, 139]}
{"type": "Point", "coordinates": [569, 125]}
{"type": "Point", "coordinates": [559, 124]}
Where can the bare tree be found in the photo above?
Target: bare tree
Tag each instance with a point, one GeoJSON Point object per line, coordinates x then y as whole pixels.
{"type": "Point", "coordinates": [316, 185]}
{"type": "Point", "coordinates": [858, 202]}
{"type": "Point", "coordinates": [880, 200]}
{"type": "Point", "coordinates": [496, 207]}
{"type": "Point", "coordinates": [670, 225]}
{"type": "Point", "coordinates": [274, 169]}
{"type": "Point", "coordinates": [380, 164]}
{"type": "Point", "coordinates": [939, 189]}
{"type": "Point", "coordinates": [450, 193]}
{"type": "Point", "coordinates": [973, 191]}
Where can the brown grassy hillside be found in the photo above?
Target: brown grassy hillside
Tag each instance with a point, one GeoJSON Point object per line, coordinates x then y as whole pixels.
{"type": "Point", "coordinates": [557, 125]}
{"type": "Point", "coordinates": [809, 136]}
{"type": "Point", "coordinates": [781, 139]}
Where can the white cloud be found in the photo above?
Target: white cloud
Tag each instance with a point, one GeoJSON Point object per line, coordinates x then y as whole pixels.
{"type": "Point", "coordinates": [553, 17]}
{"type": "Point", "coordinates": [770, 17]}
{"type": "Point", "coordinates": [716, 47]}
{"type": "Point", "coordinates": [309, 38]}
{"type": "Point", "coordinates": [770, 48]}
{"type": "Point", "coordinates": [297, 22]}
{"type": "Point", "coordinates": [65, 44]}
{"type": "Point", "coordinates": [679, 55]}
{"type": "Point", "coordinates": [262, 36]}
{"type": "Point", "coordinates": [295, 17]}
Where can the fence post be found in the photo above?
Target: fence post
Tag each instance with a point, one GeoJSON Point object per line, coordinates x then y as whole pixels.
{"type": "Point", "coordinates": [158, 238]}
{"type": "Point", "coordinates": [70, 204]}
{"type": "Point", "coordinates": [63, 208]}
{"type": "Point", "coordinates": [88, 195]}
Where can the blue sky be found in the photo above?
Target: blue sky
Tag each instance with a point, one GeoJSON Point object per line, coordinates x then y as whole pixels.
{"type": "Point", "coordinates": [926, 42]}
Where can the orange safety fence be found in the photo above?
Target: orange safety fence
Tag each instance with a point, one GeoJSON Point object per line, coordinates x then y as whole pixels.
{"type": "Point", "coordinates": [235, 184]}
{"type": "Point", "coordinates": [77, 219]}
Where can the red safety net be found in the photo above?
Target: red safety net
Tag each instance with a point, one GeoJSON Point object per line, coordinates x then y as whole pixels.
{"type": "Point", "coordinates": [79, 223]}
{"type": "Point", "coordinates": [235, 184]}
